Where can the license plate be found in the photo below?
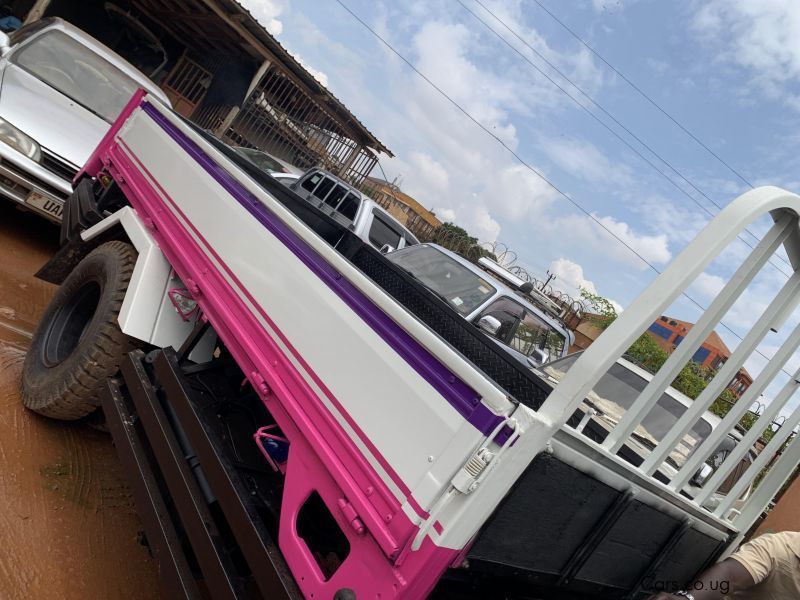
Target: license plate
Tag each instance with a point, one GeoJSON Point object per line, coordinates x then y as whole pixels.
{"type": "Point", "coordinates": [49, 206]}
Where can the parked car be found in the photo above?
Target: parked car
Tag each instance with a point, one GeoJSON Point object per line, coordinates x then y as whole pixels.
{"type": "Point", "coordinates": [616, 392]}
{"type": "Point", "coordinates": [267, 162]}
{"type": "Point", "coordinates": [61, 90]}
{"type": "Point", "coordinates": [369, 221]}
{"type": "Point", "coordinates": [505, 314]}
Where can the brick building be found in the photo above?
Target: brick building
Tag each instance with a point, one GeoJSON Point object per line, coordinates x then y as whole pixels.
{"type": "Point", "coordinates": [419, 220]}
{"type": "Point", "coordinates": [713, 353]}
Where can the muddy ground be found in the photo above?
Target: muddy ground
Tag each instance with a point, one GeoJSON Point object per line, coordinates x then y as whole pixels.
{"type": "Point", "coordinates": [68, 525]}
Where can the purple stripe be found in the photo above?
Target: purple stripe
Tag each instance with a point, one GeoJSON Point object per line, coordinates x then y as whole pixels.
{"type": "Point", "coordinates": [460, 395]}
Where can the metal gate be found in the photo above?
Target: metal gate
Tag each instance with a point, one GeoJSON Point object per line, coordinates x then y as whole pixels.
{"type": "Point", "coordinates": [186, 85]}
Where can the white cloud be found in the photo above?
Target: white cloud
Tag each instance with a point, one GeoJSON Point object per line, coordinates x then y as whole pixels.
{"type": "Point", "coordinates": [708, 286]}
{"type": "Point", "coordinates": [320, 76]}
{"type": "Point", "coordinates": [481, 223]}
{"type": "Point", "coordinates": [446, 215]}
{"type": "Point", "coordinates": [267, 12]}
{"type": "Point", "coordinates": [570, 277]}
{"type": "Point", "coordinates": [517, 193]}
{"type": "Point", "coordinates": [653, 248]}
{"type": "Point", "coordinates": [758, 35]}
{"type": "Point", "coordinates": [430, 172]}
{"type": "Point", "coordinates": [585, 161]}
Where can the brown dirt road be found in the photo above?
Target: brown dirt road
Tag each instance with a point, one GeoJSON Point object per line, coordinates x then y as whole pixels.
{"type": "Point", "coordinates": [68, 525]}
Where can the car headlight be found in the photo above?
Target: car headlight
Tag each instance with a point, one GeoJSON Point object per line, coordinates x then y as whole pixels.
{"type": "Point", "coordinates": [19, 141]}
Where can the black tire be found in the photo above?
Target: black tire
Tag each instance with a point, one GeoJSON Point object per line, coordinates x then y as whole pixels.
{"type": "Point", "coordinates": [78, 344]}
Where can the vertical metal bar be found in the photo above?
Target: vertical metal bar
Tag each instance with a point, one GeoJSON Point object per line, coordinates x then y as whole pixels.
{"type": "Point", "coordinates": [748, 441]}
{"type": "Point", "coordinates": [709, 445]}
{"type": "Point", "coordinates": [772, 482]}
{"type": "Point", "coordinates": [786, 300]}
{"type": "Point", "coordinates": [705, 325]}
{"type": "Point", "coordinates": [271, 116]}
{"type": "Point", "coordinates": [306, 110]}
{"type": "Point", "coordinates": [281, 124]}
{"type": "Point", "coordinates": [766, 455]}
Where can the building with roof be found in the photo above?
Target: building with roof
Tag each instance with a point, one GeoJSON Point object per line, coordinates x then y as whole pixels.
{"type": "Point", "coordinates": [224, 71]}
{"type": "Point", "coordinates": [418, 219]}
{"type": "Point", "coordinates": [713, 353]}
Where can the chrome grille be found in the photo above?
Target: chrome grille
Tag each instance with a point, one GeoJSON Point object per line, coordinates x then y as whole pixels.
{"type": "Point", "coordinates": [55, 164]}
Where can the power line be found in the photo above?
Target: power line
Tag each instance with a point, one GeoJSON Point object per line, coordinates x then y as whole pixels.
{"type": "Point", "coordinates": [609, 115]}
{"type": "Point", "coordinates": [525, 163]}
{"type": "Point", "coordinates": [646, 96]}
{"type": "Point", "coordinates": [494, 136]}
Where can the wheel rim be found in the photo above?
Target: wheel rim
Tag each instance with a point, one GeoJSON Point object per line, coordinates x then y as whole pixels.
{"type": "Point", "coordinates": [70, 323]}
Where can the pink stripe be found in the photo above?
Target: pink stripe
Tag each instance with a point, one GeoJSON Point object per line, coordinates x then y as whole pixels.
{"type": "Point", "coordinates": [343, 412]}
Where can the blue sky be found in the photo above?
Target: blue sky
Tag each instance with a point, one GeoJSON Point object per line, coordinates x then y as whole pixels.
{"type": "Point", "coordinates": [727, 70]}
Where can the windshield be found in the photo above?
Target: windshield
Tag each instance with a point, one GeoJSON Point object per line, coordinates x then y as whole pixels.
{"type": "Point", "coordinates": [615, 393]}
{"type": "Point", "coordinates": [262, 160]}
{"type": "Point", "coordinates": [74, 70]}
{"type": "Point", "coordinates": [453, 282]}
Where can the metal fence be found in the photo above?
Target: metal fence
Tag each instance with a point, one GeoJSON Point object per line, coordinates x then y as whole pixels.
{"type": "Point", "coordinates": [280, 118]}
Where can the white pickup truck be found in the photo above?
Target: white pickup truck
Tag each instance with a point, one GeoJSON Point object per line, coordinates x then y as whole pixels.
{"type": "Point", "coordinates": [505, 314]}
{"type": "Point", "coordinates": [354, 210]}
{"type": "Point", "coordinates": [299, 417]}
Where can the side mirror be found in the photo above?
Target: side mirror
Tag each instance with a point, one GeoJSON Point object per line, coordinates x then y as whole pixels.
{"type": "Point", "coordinates": [5, 43]}
{"type": "Point", "coordinates": [489, 324]}
{"type": "Point", "coordinates": [703, 474]}
{"type": "Point", "coordinates": [386, 248]}
{"type": "Point", "coordinates": [537, 357]}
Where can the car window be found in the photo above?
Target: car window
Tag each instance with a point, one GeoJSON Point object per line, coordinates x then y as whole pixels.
{"type": "Point", "coordinates": [382, 233]}
{"type": "Point", "coordinates": [335, 196]}
{"type": "Point", "coordinates": [507, 312]}
{"type": "Point", "coordinates": [349, 206]}
{"type": "Point", "coordinates": [310, 183]}
{"type": "Point", "coordinates": [323, 188]}
{"type": "Point", "coordinates": [533, 333]}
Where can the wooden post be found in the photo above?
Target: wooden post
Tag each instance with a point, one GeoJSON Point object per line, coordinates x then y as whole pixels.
{"type": "Point", "coordinates": [262, 70]}
{"type": "Point", "coordinates": [222, 128]}
{"type": "Point", "coordinates": [37, 11]}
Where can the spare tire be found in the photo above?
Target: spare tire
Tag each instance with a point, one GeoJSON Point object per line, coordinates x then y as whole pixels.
{"type": "Point", "coordinates": [78, 344]}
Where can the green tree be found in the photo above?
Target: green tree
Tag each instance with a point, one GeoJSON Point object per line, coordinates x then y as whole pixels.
{"type": "Point", "coordinates": [455, 231]}
{"type": "Point", "coordinates": [603, 312]}
{"type": "Point", "coordinates": [456, 238]}
{"type": "Point", "coordinates": [646, 352]}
